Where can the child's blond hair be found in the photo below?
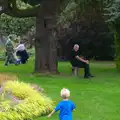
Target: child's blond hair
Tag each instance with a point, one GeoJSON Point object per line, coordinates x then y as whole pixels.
{"type": "Point", "coordinates": [65, 93]}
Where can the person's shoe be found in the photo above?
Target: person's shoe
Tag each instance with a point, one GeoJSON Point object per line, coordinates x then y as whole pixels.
{"type": "Point", "coordinates": [87, 77]}
{"type": "Point", "coordinates": [6, 64]}
{"type": "Point", "coordinates": [16, 63]}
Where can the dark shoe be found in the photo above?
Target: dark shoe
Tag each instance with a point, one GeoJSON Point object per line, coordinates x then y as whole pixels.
{"type": "Point", "coordinates": [6, 64]}
{"type": "Point", "coordinates": [87, 77]}
{"type": "Point", "coordinates": [16, 64]}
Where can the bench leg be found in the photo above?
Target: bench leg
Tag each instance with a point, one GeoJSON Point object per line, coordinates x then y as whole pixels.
{"type": "Point", "coordinates": [75, 71]}
{"type": "Point", "coordinates": [78, 69]}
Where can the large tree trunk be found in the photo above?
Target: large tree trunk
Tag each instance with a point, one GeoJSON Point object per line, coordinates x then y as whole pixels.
{"type": "Point", "coordinates": [41, 47]}
{"type": "Point", "coordinates": [45, 43]}
{"type": "Point", "coordinates": [53, 64]}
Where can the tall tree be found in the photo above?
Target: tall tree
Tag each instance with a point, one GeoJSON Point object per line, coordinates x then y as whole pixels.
{"type": "Point", "coordinates": [45, 12]}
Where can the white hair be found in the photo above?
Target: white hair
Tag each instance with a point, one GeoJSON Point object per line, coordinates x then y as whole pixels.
{"type": "Point", "coordinates": [65, 93]}
{"type": "Point", "coordinates": [76, 46]}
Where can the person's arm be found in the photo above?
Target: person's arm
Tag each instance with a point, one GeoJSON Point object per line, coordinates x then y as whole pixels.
{"type": "Point", "coordinates": [51, 113]}
{"type": "Point", "coordinates": [18, 47]}
{"type": "Point", "coordinates": [55, 110]}
{"type": "Point", "coordinates": [81, 59]}
{"type": "Point", "coordinates": [73, 107]}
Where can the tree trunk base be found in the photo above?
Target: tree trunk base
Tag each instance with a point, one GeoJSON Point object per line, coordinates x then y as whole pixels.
{"type": "Point", "coordinates": [45, 73]}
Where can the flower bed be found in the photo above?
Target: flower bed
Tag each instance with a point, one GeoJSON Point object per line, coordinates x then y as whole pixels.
{"type": "Point", "coordinates": [21, 101]}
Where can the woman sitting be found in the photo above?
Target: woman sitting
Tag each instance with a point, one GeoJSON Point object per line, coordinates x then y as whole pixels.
{"type": "Point", "coordinates": [22, 53]}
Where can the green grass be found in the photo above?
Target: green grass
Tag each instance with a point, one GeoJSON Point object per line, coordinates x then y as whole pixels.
{"type": "Point", "coordinates": [96, 99]}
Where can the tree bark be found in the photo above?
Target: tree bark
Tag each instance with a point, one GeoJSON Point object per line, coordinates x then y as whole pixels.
{"type": "Point", "coordinates": [53, 64]}
{"type": "Point", "coordinates": [41, 46]}
{"type": "Point", "coordinates": [45, 43]}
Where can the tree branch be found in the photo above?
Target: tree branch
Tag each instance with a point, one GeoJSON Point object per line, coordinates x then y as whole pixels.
{"type": "Point", "coordinates": [30, 12]}
{"type": "Point", "coordinates": [63, 4]}
{"type": "Point", "coordinates": [10, 8]}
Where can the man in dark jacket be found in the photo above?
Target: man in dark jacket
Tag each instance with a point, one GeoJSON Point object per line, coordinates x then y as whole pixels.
{"type": "Point", "coordinates": [79, 62]}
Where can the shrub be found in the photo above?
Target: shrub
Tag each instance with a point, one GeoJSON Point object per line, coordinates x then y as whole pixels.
{"type": "Point", "coordinates": [117, 48]}
{"type": "Point", "coordinates": [22, 101]}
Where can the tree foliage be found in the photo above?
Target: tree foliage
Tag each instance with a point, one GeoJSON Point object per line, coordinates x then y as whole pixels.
{"type": "Point", "coordinates": [18, 26]}
{"type": "Point", "coordinates": [113, 18]}
{"type": "Point", "coordinates": [113, 11]}
{"type": "Point", "coordinates": [76, 9]}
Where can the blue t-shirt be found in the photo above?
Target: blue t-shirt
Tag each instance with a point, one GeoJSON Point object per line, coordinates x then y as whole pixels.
{"type": "Point", "coordinates": [66, 107]}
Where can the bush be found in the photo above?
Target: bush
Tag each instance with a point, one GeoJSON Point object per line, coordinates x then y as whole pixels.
{"type": "Point", "coordinates": [22, 101]}
{"type": "Point", "coordinates": [117, 48]}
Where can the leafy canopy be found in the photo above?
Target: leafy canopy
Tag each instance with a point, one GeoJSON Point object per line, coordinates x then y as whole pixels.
{"type": "Point", "coordinates": [113, 11]}
{"type": "Point", "coordinates": [17, 26]}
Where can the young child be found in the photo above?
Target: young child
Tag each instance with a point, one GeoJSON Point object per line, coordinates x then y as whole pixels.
{"type": "Point", "coordinates": [66, 106]}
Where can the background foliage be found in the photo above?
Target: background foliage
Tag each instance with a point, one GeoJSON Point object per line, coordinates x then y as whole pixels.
{"type": "Point", "coordinates": [18, 26]}
{"type": "Point", "coordinates": [113, 19]}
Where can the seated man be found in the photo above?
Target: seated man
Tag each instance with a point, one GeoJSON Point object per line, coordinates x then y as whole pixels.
{"type": "Point", "coordinates": [80, 62]}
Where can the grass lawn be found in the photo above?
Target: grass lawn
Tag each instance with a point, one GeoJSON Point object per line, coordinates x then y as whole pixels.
{"type": "Point", "coordinates": [96, 99]}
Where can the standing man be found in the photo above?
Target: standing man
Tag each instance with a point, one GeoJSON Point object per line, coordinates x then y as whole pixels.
{"type": "Point", "coordinates": [80, 62]}
{"type": "Point", "coordinates": [9, 52]}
